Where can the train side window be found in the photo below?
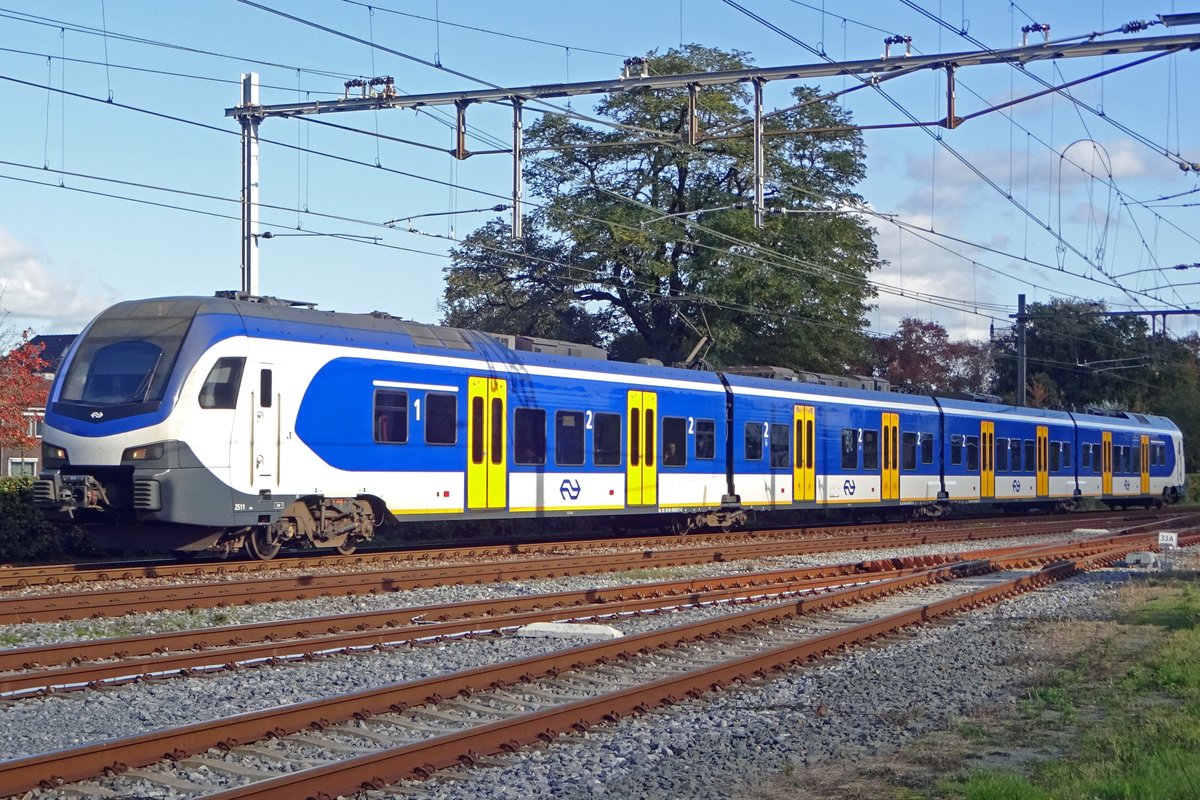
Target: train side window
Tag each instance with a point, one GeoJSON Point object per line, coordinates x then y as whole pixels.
{"type": "Point", "coordinates": [529, 436]}
{"type": "Point", "coordinates": [264, 388]}
{"type": "Point", "coordinates": [1055, 456]}
{"type": "Point", "coordinates": [908, 450]}
{"type": "Point", "coordinates": [926, 448]}
{"type": "Point", "coordinates": [441, 419]}
{"type": "Point", "coordinates": [606, 440]}
{"type": "Point", "coordinates": [477, 430]}
{"type": "Point", "coordinates": [706, 439]}
{"type": "Point", "coordinates": [635, 438]}
{"type": "Point", "coordinates": [956, 449]}
{"type": "Point", "coordinates": [780, 446]}
{"type": "Point", "coordinates": [674, 440]}
{"type": "Point", "coordinates": [1085, 455]}
{"type": "Point", "coordinates": [649, 415]}
{"type": "Point", "coordinates": [1030, 456]}
{"type": "Point", "coordinates": [870, 440]}
{"type": "Point", "coordinates": [972, 453]}
{"type": "Point", "coordinates": [1125, 458]}
{"type": "Point", "coordinates": [1160, 454]}
{"type": "Point", "coordinates": [1066, 455]}
{"type": "Point", "coordinates": [1097, 458]}
{"type": "Point", "coordinates": [1002, 455]}
{"type": "Point", "coordinates": [220, 389]}
{"type": "Point", "coordinates": [754, 441]}
{"type": "Point", "coordinates": [1015, 451]}
{"type": "Point", "coordinates": [849, 448]}
{"type": "Point", "coordinates": [391, 416]}
{"type": "Point", "coordinates": [568, 438]}
{"type": "Point", "coordinates": [1137, 460]}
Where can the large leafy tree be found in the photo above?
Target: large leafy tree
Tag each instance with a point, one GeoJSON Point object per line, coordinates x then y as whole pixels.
{"type": "Point", "coordinates": [1076, 357]}
{"type": "Point", "coordinates": [643, 244]}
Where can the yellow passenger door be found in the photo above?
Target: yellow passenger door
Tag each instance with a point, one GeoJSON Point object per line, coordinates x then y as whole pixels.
{"type": "Point", "coordinates": [987, 460]}
{"type": "Point", "coordinates": [891, 457]}
{"type": "Point", "coordinates": [641, 464]}
{"type": "Point", "coordinates": [1043, 461]}
{"type": "Point", "coordinates": [1145, 464]}
{"type": "Point", "coordinates": [804, 471]}
{"type": "Point", "coordinates": [1106, 463]}
{"type": "Point", "coordinates": [487, 443]}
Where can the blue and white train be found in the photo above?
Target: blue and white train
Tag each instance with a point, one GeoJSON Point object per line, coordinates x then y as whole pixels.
{"type": "Point", "coordinates": [218, 423]}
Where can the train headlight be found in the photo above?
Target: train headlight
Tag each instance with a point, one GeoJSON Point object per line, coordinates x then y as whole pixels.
{"type": "Point", "coordinates": [53, 455]}
{"type": "Point", "coordinates": [146, 452]}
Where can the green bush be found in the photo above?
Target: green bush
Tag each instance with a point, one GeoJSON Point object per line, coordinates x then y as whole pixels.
{"type": "Point", "coordinates": [25, 534]}
{"type": "Point", "coordinates": [1192, 497]}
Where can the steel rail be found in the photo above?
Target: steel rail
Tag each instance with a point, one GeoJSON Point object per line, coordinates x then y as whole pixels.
{"type": "Point", "coordinates": [312, 627]}
{"type": "Point", "coordinates": [116, 755]}
{"type": "Point", "coordinates": [53, 769]}
{"type": "Point", "coordinates": [21, 576]}
{"type": "Point", "coordinates": [421, 759]}
{"type": "Point", "coordinates": [114, 602]}
{"type": "Point", "coordinates": [484, 618]}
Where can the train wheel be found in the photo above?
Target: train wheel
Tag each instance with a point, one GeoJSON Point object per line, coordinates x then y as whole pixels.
{"type": "Point", "coordinates": [347, 547]}
{"type": "Point", "coordinates": [261, 545]}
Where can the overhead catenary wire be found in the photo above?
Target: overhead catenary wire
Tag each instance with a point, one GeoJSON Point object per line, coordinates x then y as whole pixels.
{"type": "Point", "coordinates": [410, 176]}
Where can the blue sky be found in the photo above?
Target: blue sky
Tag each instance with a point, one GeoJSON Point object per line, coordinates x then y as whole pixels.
{"type": "Point", "coordinates": [65, 254]}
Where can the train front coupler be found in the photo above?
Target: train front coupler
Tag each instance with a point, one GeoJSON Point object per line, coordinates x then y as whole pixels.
{"type": "Point", "coordinates": [67, 494]}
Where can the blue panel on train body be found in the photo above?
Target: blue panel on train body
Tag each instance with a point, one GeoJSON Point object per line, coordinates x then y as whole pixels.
{"type": "Point", "coordinates": [693, 420]}
{"type": "Point", "coordinates": [336, 415]}
{"type": "Point", "coordinates": [756, 420]}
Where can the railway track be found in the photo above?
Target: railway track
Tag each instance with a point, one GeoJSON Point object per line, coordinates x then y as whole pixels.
{"type": "Point", "coordinates": [75, 605]}
{"type": "Point", "coordinates": [22, 576]}
{"type": "Point", "coordinates": [408, 730]}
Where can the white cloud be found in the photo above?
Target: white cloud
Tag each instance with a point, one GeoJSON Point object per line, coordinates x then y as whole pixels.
{"type": "Point", "coordinates": [922, 271]}
{"type": "Point", "coordinates": [36, 294]}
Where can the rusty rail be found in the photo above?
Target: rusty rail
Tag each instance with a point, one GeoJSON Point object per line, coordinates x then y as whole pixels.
{"type": "Point", "coordinates": [78, 763]}
{"type": "Point", "coordinates": [824, 538]}
{"type": "Point", "coordinates": [471, 618]}
{"type": "Point", "coordinates": [90, 604]}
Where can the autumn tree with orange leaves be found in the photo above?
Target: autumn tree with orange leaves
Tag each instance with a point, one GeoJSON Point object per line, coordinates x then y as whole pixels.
{"type": "Point", "coordinates": [22, 386]}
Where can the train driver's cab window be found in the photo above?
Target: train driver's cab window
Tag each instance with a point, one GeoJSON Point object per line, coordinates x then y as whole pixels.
{"type": "Point", "coordinates": [1030, 456]}
{"type": "Point", "coordinates": [441, 419]}
{"type": "Point", "coordinates": [674, 442]}
{"type": "Point", "coordinates": [780, 447]}
{"type": "Point", "coordinates": [706, 439]}
{"type": "Point", "coordinates": [908, 450]}
{"type": "Point", "coordinates": [870, 448]}
{"type": "Point", "coordinates": [1001, 455]}
{"type": "Point", "coordinates": [754, 441]}
{"type": "Point", "coordinates": [956, 449]}
{"type": "Point", "coordinates": [606, 440]}
{"type": "Point", "coordinates": [391, 416]}
{"type": "Point", "coordinates": [849, 448]}
{"type": "Point", "coordinates": [529, 436]}
{"type": "Point", "coordinates": [568, 438]}
{"type": "Point", "coordinates": [972, 453]}
{"type": "Point", "coordinates": [220, 388]}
